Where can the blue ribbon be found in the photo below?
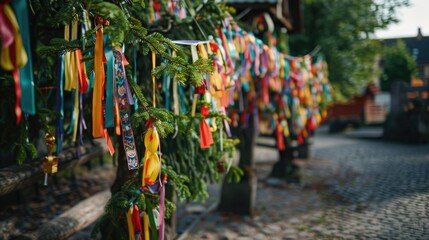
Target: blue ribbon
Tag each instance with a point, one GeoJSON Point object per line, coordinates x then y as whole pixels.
{"type": "Point", "coordinates": [26, 73]}
{"type": "Point", "coordinates": [108, 122]}
{"type": "Point", "coordinates": [71, 126]}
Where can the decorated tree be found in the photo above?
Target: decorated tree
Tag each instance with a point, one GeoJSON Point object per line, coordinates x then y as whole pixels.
{"type": "Point", "coordinates": [167, 78]}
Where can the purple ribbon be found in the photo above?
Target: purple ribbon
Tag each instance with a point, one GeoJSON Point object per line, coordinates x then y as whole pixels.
{"type": "Point", "coordinates": [161, 212]}
{"type": "Point", "coordinates": [226, 124]}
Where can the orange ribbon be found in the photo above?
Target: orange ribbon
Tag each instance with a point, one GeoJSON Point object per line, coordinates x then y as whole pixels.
{"type": "Point", "coordinates": [97, 112]}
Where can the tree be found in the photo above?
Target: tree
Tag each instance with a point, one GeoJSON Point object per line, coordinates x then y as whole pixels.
{"type": "Point", "coordinates": [135, 31]}
{"type": "Point", "coordinates": [344, 30]}
{"type": "Point", "coordinates": [398, 65]}
{"type": "Point", "coordinates": [128, 25]}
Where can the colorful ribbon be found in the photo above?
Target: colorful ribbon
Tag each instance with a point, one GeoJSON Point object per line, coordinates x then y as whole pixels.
{"type": "Point", "coordinates": [206, 138]}
{"type": "Point", "coordinates": [26, 73]}
{"type": "Point", "coordinates": [97, 111]}
{"type": "Point", "coordinates": [13, 55]}
{"type": "Point", "coordinates": [60, 104]}
{"type": "Point", "coordinates": [152, 163]}
{"type": "Point", "coordinates": [123, 105]}
{"type": "Point", "coordinates": [108, 121]}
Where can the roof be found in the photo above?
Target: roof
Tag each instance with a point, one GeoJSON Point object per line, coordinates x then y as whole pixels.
{"type": "Point", "coordinates": [284, 12]}
{"type": "Point", "coordinates": [418, 47]}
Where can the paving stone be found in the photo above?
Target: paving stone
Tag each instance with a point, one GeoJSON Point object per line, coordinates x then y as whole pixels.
{"type": "Point", "coordinates": [352, 189]}
{"type": "Point", "coordinates": [274, 228]}
{"type": "Point", "coordinates": [259, 236]}
{"type": "Point", "coordinates": [244, 238]}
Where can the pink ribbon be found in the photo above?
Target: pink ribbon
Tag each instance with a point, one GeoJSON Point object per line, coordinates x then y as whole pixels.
{"type": "Point", "coordinates": [6, 30]}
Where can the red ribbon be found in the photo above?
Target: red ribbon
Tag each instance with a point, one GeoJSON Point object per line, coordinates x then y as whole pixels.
{"type": "Point", "coordinates": [18, 111]}
{"type": "Point", "coordinates": [136, 220]}
{"type": "Point", "coordinates": [201, 89]}
{"type": "Point", "coordinates": [83, 81]}
{"type": "Point", "coordinates": [280, 140]}
{"type": "Point", "coordinates": [206, 138]}
{"type": "Point", "coordinates": [300, 139]}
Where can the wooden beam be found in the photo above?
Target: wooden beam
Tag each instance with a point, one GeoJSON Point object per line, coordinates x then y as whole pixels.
{"type": "Point", "coordinates": [18, 176]}
{"type": "Point", "coordinates": [72, 221]}
{"type": "Point", "coordinates": [282, 20]}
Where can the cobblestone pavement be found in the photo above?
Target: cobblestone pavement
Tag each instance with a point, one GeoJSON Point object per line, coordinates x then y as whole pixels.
{"type": "Point", "coordinates": [352, 188]}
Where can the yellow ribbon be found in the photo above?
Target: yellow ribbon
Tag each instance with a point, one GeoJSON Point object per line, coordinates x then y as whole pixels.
{"type": "Point", "coordinates": [282, 67]}
{"type": "Point", "coordinates": [67, 71]}
{"type": "Point", "coordinates": [194, 58]}
{"type": "Point", "coordinates": [152, 164]}
{"type": "Point", "coordinates": [146, 226]}
{"type": "Point", "coordinates": [285, 128]}
{"type": "Point", "coordinates": [130, 224]}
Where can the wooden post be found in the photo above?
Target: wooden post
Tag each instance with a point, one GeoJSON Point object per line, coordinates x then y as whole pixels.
{"type": "Point", "coordinates": [240, 197]}
{"type": "Point", "coordinates": [284, 168]}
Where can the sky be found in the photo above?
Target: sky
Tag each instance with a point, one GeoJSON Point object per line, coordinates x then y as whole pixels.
{"type": "Point", "coordinates": [410, 18]}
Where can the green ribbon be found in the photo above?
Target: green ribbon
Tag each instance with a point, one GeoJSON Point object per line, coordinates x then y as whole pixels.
{"type": "Point", "coordinates": [26, 73]}
{"type": "Point", "coordinates": [149, 211]}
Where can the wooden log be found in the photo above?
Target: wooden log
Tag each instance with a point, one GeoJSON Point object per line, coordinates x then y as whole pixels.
{"type": "Point", "coordinates": [71, 221]}
{"type": "Point", "coordinates": [18, 176]}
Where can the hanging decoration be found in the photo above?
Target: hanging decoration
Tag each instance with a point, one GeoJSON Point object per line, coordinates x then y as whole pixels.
{"type": "Point", "coordinates": [13, 55]}
{"type": "Point", "coordinates": [152, 163]}
{"type": "Point", "coordinates": [124, 100]}
{"type": "Point", "coordinates": [284, 95]}
{"type": "Point", "coordinates": [50, 162]}
{"type": "Point", "coordinates": [99, 79]}
{"type": "Point", "coordinates": [28, 103]}
{"type": "Point", "coordinates": [206, 138]}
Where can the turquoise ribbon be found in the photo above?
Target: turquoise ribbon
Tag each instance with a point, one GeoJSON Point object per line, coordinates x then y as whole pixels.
{"type": "Point", "coordinates": [91, 80]}
{"type": "Point", "coordinates": [182, 98]}
{"type": "Point", "coordinates": [108, 122]}
{"type": "Point", "coordinates": [26, 73]}
{"type": "Point", "coordinates": [166, 89]}
{"type": "Point", "coordinates": [59, 133]}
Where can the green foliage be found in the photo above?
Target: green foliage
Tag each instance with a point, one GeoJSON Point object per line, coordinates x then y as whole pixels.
{"type": "Point", "coordinates": [187, 166]}
{"type": "Point", "coordinates": [343, 29]}
{"type": "Point", "coordinates": [398, 64]}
